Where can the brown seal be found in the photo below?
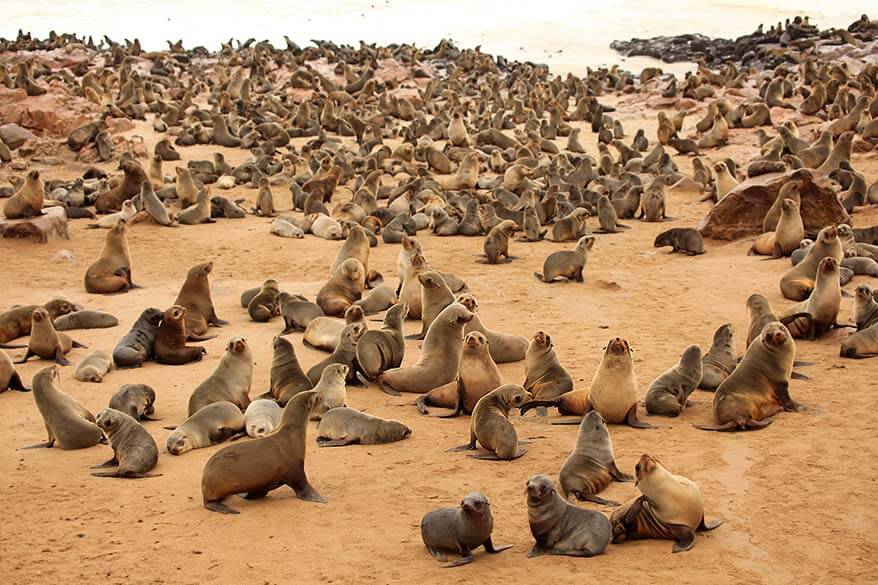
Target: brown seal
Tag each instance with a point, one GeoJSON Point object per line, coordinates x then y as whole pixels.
{"type": "Point", "coordinates": [668, 394]}
{"type": "Point", "coordinates": [685, 240]}
{"type": "Point", "coordinates": [230, 381]}
{"type": "Point", "coordinates": [720, 360]}
{"type": "Point", "coordinates": [504, 347]}
{"type": "Point", "coordinates": [861, 344]}
{"type": "Point", "coordinates": [356, 246]}
{"type": "Point", "coordinates": [568, 264]}
{"type": "Point", "coordinates": [68, 423]}
{"type": "Point", "coordinates": [560, 528]}
{"type": "Point", "coordinates": [16, 322]}
{"type": "Point", "coordinates": [478, 375]}
{"type": "Point", "coordinates": [787, 235]}
{"type": "Point", "coordinates": [345, 353]}
{"type": "Point", "coordinates": [324, 333]}
{"type": "Point", "coordinates": [383, 349]}
{"type": "Point", "coordinates": [195, 297]}
{"type": "Point", "coordinates": [343, 289]}
{"type": "Point", "coordinates": [135, 400]}
{"type": "Point", "coordinates": [256, 467]}
{"type": "Point", "coordinates": [811, 318]}
{"type": "Point", "coordinates": [439, 358]}
{"type": "Point", "coordinates": [460, 530]}
{"type": "Point", "coordinates": [435, 296]}
{"type": "Point", "coordinates": [865, 307]}
{"type": "Point", "coordinates": [9, 377]}
{"type": "Point", "coordinates": [212, 424]}
{"type": "Point", "coordinates": [133, 178]}
{"type": "Point", "coordinates": [111, 273]}
{"type": "Point", "coordinates": [671, 507]}
{"type": "Point", "coordinates": [545, 377]}
{"type": "Point", "coordinates": [263, 306]}
{"type": "Point", "coordinates": [138, 345]}
{"type": "Point", "coordinates": [298, 312]}
{"type": "Point", "coordinates": [286, 375]}
{"type": "Point", "coordinates": [497, 242]}
{"type": "Point", "coordinates": [170, 340]}
{"type": "Point", "coordinates": [591, 467]}
{"type": "Point", "coordinates": [45, 342]}
{"type": "Point", "coordinates": [759, 387]}
{"type": "Point", "coordinates": [798, 283]}
{"type": "Point", "coordinates": [761, 314]}
{"type": "Point", "coordinates": [28, 200]}
{"type": "Point", "coordinates": [134, 451]}
{"type": "Point", "coordinates": [490, 426]}
{"type": "Point", "coordinates": [347, 426]}
{"type": "Point", "coordinates": [410, 286]}
{"type": "Point", "coordinates": [379, 299]}
{"type": "Point", "coordinates": [85, 319]}
{"type": "Point", "coordinates": [93, 367]}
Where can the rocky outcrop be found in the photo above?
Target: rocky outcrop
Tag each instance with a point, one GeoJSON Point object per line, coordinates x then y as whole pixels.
{"type": "Point", "coordinates": [51, 225]}
{"type": "Point", "coordinates": [741, 212]}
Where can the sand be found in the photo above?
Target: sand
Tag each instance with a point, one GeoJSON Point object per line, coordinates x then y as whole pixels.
{"type": "Point", "coordinates": [796, 497]}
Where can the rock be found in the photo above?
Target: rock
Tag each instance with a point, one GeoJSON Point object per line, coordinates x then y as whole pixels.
{"type": "Point", "coordinates": [49, 226]}
{"type": "Point", "coordinates": [14, 135]}
{"type": "Point", "coordinates": [741, 212]}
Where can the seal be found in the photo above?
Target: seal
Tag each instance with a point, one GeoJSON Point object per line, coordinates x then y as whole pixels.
{"type": "Point", "coordinates": [9, 376]}
{"type": "Point", "coordinates": [346, 426]}
{"type": "Point", "coordinates": [383, 349]}
{"type": "Point", "coordinates": [134, 451]}
{"type": "Point", "coordinates": [111, 273]}
{"type": "Point", "coordinates": [460, 530]}
{"type": "Point", "coordinates": [720, 360]}
{"type": "Point", "coordinates": [571, 227]}
{"type": "Point", "coordinates": [504, 347]}
{"type": "Point", "coordinates": [135, 400]}
{"type": "Point", "coordinates": [230, 381]}
{"type": "Point", "coordinates": [297, 312]}
{"type": "Point", "coordinates": [356, 246]}
{"type": "Point", "coordinates": [613, 391]}
{"type": "Point", "coordinates": [478, 375]}
{"type": "Point", "coordinates": [138, 345]}
{"type": "Point", "coordinates": [85, 319]}
{"type": "Point", "coordinates": [759, 387]}
{"type": "Point", "coordinates": [560, 528]}
{"type": "Point", "coordinates": [286, 376]}
{"type": "Point", "coordinates": [197, 213]}
{"type": "Point", "coordinates": [787, 236]}
{"type": "Point", "coordinates": [379, 299]}
{"type": "Point", "coordinates": [345, 353]}
{"type": "Point", "coordinates": [671, 508]}
{"type": "Point", "coordinates": [490, 426]}
{"type": "Point", "coordinates": [811, 318]}
{"type": "Point", "coordinates": [330, 389]}
{"type": "Point", "coordinates": [195, 298]}
{"type": "Point", "coordinates": [28, 199]}
{"type": "Point", "coordinates": [263, 306]}
{"type": "Point", "coordinates": [545, 377]}
{"type": "Point", "coordinates": [435, 296]}
{"type": "Point", "coordinates": [261, 465]}
{"type": "Point", "coordinates": [685, 240]}
{"type": "Point", "coordinates": [668, 394]}
{"type": "Point", "coordinates": [439, 358]}
{"type": "Point", "coordinates": [68, 423]}
{"type": "Point", "coordinates": [108, 221]}
{"type": "Point", "coordinates": [591, 467]}
{"type": "Point", "coordinates": [211, 425]}
{"type": "Point", "coordinates": [324, 333]}
{"type": "Point", "coordinates": [865, 307]}
{"type": "Point", "coordinates": [343, 289]}
{"type": "Point", "coordinates": [861, 344]}
{"type": "Point", "coordinates": [170, 340]}
{"type": "Point", "coordinates": [93, 367]}
{"type": "Point", "coordinates": [798, 283]}
{"type": "Point", "coordinates": [261, 417]}
{"type": "Point", "coordinates": [16, 322]}
{"type": "Point", "coordinates": [153, 206]}
{"type": "Point", "coordinates": [568, 264]}
{"type": "Point", "coordinates": [497, 242]}
{"type": "Point", "coordinates": [45, 342]}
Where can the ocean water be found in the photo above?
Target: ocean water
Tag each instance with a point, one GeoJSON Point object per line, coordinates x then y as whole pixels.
{"type": "Point", "coordinates": [567, 34]}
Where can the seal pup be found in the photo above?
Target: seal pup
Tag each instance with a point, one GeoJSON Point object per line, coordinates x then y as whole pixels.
{"type": "Point", "coordinates": [545, 377]}
{"type": "Point", "coordinates": [383, 349]}
{"type": "Point", "coordinates": [198, 212]}
{"type": "Point", "coordinates": [261, 417]}
{"type": "Point", "coordinates": [440, 356]}
{"type": "Point", "coordinates": [134, 451]}
{"type": "Point", "coordinates": [861, 344]}
{"type": "Point", "coordinates": [111, 273]}
{"type": "Point", "coordinates": [379, 299]}
{"type": "Point", "coordinates": [324, 333]}
{"type": "Point", "coordinates": [139, 343]}
{"type": "Point", "coordinates": [811, 318]}
{"type": "Point", "coordinates": [719, 361]}
{"type": "Point", "coordinates": [108, 221]}
{"type": "Point", "coordinates": [759, 387]}
{"type": "Point", "coordinates": [195, 297]}
{"type": "Point", "coordinates": [490, 426]}
{"type": "Point", "coordinates": [45, 342]}
{"type": "Point", "coordinates": [671, 507]}
{"type": "Point", "coordinates": [568, 264]}
{"type": "Point", "coordinates": [685, 240]}
{"type": "Point", "coordinates": [85, 319]}
{"type": "Point", "coordinates": [460, 530]}
{"type": "Point", "coordinates": [356, 246]}
{"type": "Point", "coordinates": [560, 528]}
{"type": "Point", "coordinates": [668, 394]}
{"type": "Point", "coordinates": [170, 339]}
{"type": "Point", "coordinates": [212, 424]}
{"type": "Point", "coordinates": [286, 375]}
{"type": "Point", "coordinates": [9, 376]}
{"type": "Point", "coordinates": [69, 424]}
{"type": "Point", "coordinates": [93, 367]}
{"type": "Point", "coordinates": [787, 235]}
{"type": "Point", "coordinates": [343, 289]}
{"type": "Point", "coordinates": [135, 400]}
{"type": "Point", "coordinates": [342, 426]}
{"type": "Point", "coordinates": [865, 307]}
{"type": "Point", "coordinates": [263, 306]}
{"type": "Point", "coordinates": [298, 312]}
{"type": "Point", "coordinates": [230, 381]}
{"type": "Point", "coordinates": [497, 242]}
{"type": "Point", "coordinates": [256, 467]}
{"type": "Point", "coordinates": [345, 353]}
{"type": "Point", "coordinates": [798, 283]}
{"type": "Point", "coordinates": [477, 375]}
{"type": "Point", "coordinates": [591, 467]}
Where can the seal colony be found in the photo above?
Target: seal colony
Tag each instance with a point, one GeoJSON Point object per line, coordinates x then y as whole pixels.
{"type": "Point", "coordinates": [423, 173]}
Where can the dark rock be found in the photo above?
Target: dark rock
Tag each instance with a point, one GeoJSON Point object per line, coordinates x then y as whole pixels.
{"type": "Point", "coordinates": [14, 135]}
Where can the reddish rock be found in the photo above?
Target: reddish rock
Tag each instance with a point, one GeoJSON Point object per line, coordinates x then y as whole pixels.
{"type": "Point", "coordinates": [14, 135]}
{"type": "Point", "coordinates": [49, 226]}
{"type": "Point", "coordinates": [741, 212]}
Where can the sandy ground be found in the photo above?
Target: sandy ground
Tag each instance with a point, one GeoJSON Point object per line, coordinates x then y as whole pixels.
{"type": "Point", "coordinates": [796, 497]}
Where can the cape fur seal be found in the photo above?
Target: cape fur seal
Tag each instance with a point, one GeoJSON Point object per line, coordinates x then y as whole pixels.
{"type": "Point", "coordinates": [134, 451]}
{"type": "Point", "coordinates": [85, 319]}
{"type": "Point", "coordinates": [346, 426]}
{"type": "Point", "coordinates": [286, 375]}
{"type": "Point", "coordinates": [93, 367]}
{"type": "Point", "coordinates": [685, 240]}
{"type": "Point", "coordinates": [545, 377]}
{"type": "Point", "coordinates": [16, 322]}
{"type": "Point", "coordinates": [811, 318]}
{"type": "Point", "coordinates": [69, 424]}
{"type": "Point", "coordinates": [45, 342]}
{"type": "Point", "coordinates": [195, 297]}
{"type": "Point", "coordinates": [560, 528]}
{"type": "Point", "coordinates": [256, 467]}
{"type": "Point", "coordinates": [460, 530]}
{"type": "Point", "coordinates": [111, 273]}
{"type": "Point", "coordinates": [490, 426]}
{"type": "Point", "coordinates": [139, 343]}
{"type": "Point", "coordinates": [591, 467]}
{"type": "Point", "coordinates": [324, 333]}
{"type": "Point", "coordinates": [9, 376]}
{"type": "Point", "coordinates": [798, 283]}
{"type": "Point", "coordinates": [263, 305]}
{"type": "Point", "coordinates": [668, 394]}
{"type": "Point", "coordinates": [170, 340]}
{"type": "Point", "coordinates": [383, 349]}
{"type": "Point", "coordinates": [230, 381]}
{"type": "Point", "coordinates": [261, 417]}
{"type": "Point", "coordinates": [568, 264]}
{"type": "Point", "coordinates": [27, 200]}
{"type": "Point", "coordinates": [343, 289]}
{"type": "Point", "coordinates": [212, 424]}
{"type": "Point", "coordinates": [504, 347]}
{"type": "Point", "coordinates": [719, 361]}
{"type": "Point", "coordinates": [135, 400]}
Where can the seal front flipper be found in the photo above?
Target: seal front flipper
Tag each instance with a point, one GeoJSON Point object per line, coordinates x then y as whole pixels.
{"type": "Point", "coordinates": [706, 526]}
{"type": "Point", "coordinates": [59, 357]}
{"type": "Point", "coordinates": [471, 446]}
{"type": "Point", "coordinates": [489, 547]}
{"type": "Point", "coordinates": [799, 376]}
{"type": "Point", "coordinates": [536, 551]}
{"type": "Point", "coordinates": [27, 356]}
{"type": "Point", "coordinates": [631, 420]}
{"type": "Point", "coordinates": [304, 491]}
{"type": "Point", "coordinates": [15, 383]}
{"type": "Point", "coordinates": [466, 557]}
{"type": "Point", "coordinates": [617, 474]}
{"type": "Point", "coordinates": [47, 445]}
{"type": "Point", "coordinates": [596, 499]}
{"type": "Point", "coordinates": [111, 463]}
{"type": "Point", "coordinates": [727, 427]}
{"type": "Point", "coordinates": [217, 506]}
{"type": "Point", "coordinates": [568, 421]}
{"type": "Point", "coordinates": [324, 442]}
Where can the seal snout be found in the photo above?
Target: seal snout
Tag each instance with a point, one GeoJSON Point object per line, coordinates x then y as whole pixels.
{"type": "Point", "coordinates": [618, 346]}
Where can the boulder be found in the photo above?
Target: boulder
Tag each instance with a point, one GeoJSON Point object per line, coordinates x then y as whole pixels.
{"type": "Point", "coordinates": [14, 135]}
{"type": "Point", "coordinates": [741, 212]}
{"type": "Point", "coordinates": [49, 226]}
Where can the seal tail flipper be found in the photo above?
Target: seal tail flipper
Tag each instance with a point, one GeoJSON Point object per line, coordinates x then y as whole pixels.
{"type": "Point", "coordinates": [685, 538]}
{"type": "Point", "coordinates": [15, 383]}
{"type": "Point", "coordinates": [491, 549]}
{"type": "Point", "coordinates": [727, 427]}
{"type": "Point", "coordinates": [217, 506]}
{"type": "Point", "coordinates": [464, 560]}
{"type": "Point", "coordinates": [324, 442]}
{"type": "Point", "coordinates": [632, 421]}
{"type": "Point", "coordinates": [10, 346]}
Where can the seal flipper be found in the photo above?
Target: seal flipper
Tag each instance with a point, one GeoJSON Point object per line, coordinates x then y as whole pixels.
{"type": "Point", "coordinates": [304, 490]}
{"type": "Point", "coordinates": [47, 445]}
{"type": "Point", "coordinates": [458, 401]}
{"type": "Point", "coordinates": [782, 391]}
{"type": "Point", "coordinates": [617, 474]}
{"type": "Point", "coordinates": [536, 551]}
{"type": "Point", "coordinates": [387, 389]}
{"type": "Point", "coordinates": [466, 557]}
{"type": "Point", "coordinates": [684, 537]}
{"type": "Point", "coordinates": [111, 463]}
{"type": "Point", "coordinates": [631, 419]}
{"type": "Point", "coordinates": [726, 427]}
{"type": "Point", "coordinates": [27, 356]}
{"type": "Point", "coordinates": [531, 404]}
{"type": "Point", "coordinates": [324, 442]}
{"type": "Point", "coordinates": [596, 499]}
{"type": "Point", "coordinates": [471, 446]}
{"type": "Point", "coordinates": [217, 506]}
{"type": "Point", "coordinates": [15, 383]}
{"type": "Point", "coordinates": [191, 337]}
{"type": "Point", "coordinates": [706, 526]}
{"type": "Point", "coordinates": [568, 421]}
{"type": "Point", "coordinates": [10, 346]}
{"type": "Point", "coordinates": [438, 554]}
{"type": "Point", "coordinates": [489, 547]}
{"type": "Point", "coordinates": [799, 376]}
{"type": "Point", "coordinates": [59, 357]}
